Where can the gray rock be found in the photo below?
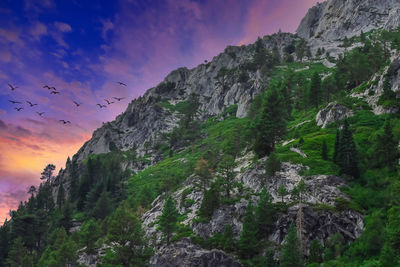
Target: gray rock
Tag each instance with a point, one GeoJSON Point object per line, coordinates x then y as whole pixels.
{"type": "Point", "coordinates": [185, 253]}
{"type": "Point", "coordinates": [336, 19]}
{"type": "Point", "coordinates": [331, 113]}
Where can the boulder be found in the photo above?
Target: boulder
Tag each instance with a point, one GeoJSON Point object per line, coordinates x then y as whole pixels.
{"type": "Point", "coordinates": [331, 113]}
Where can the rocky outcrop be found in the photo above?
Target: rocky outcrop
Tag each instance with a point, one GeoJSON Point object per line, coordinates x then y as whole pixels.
{"type": "Point", "coordinates": [336, 19]}
{"type": "Point", "coordinates": [185, 253]}
{"type": "Point", "coordinates": [372, 93]}
{"type": "Point", "coordinates": [331, 113]}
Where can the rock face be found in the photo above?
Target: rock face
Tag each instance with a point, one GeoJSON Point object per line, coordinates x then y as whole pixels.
{"type": "Point", "coordinates": [185, 253]}
{"type": "Point", "coordinates": [336, 19]}
{"type": "Point", "coordinates": [144, 118]}
{"type": "Point", "coordinates": [321, 219]}
{"type": "Point", "coordinates": [331, 113]}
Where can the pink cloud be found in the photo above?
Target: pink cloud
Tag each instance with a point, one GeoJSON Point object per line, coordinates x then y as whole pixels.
{"type": "Point", "coordinates": [38, 30]}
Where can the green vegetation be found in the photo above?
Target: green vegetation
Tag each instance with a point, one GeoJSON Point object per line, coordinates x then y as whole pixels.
{"type": "Point", "coordinates": [109, 200]}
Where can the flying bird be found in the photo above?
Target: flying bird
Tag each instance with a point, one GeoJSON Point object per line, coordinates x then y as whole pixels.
{"type": "Point", "coordinates": [14, 102]}
{"type": "Point", "coordinates": [40, 114]}
{"type": "Point", "coordinates": [76, 103]}
{"type": "Point", "coordinates": [30, 103]}
{"type": "Point", "coordinates": [65, 122]}
{"type": "Point", "coordinates": [119, 98]}
{"type": "Point", "coordinates": [18, 109]}
{"type": "Point", "coordinates": [121, 83]}
{"type": "Point", "coordinates": [101, 106]}
{"type": "Point", "coordinates": [54, 92]}
{"type": "Point", "coordinates": [46, 86]}
{"type": "Point", "coordinates": [108, 102]}
{"type": "Point", "coordinates": [53, 88]}
{"type": "Point", "coordinates": [12, 87]}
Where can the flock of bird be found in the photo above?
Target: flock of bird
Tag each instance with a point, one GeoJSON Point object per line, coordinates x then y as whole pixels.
{"type": "Point", "coordinates": [53, 91]}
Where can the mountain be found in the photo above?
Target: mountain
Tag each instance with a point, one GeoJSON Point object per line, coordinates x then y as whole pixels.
{"type": "Point", "coordinates": [282, 152]}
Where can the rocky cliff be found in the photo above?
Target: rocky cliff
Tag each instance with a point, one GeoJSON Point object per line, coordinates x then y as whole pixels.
{"type": "Point", "coordinates": [335, 19]}
{"type": "Point", "coordinates": [322, 211]}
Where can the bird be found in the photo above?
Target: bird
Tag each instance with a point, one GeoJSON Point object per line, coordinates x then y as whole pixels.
{"type": "Point", "coordinates": [40, 113]}
{"type": "Point", "coordinates": [65, 122]}
{"type": "Point", "coordinates": [18, 109]}
{"type": "Point", "coordinates": [12, 87]}
{"type": "Point", "coordinates": [54, 92]}
{"type": "Point", "coordinates": [76, 103]}
{"type": "Point", "coordinates": [121, 83]}
{"type": "Point", "coordinates": [14, 102]}
{"type": "Point", "coordinates": [30, 103]}
{"type": "Point", "coordinates": [108, 102]}
{"type": "Point", "coordinates": [118, 98]}
{"type": "Point", "coordinates": [53, 88]}
{"type": "Point", "coordinates": [46, 86]}
{"type": "Point", "coordinates": [101, 106]}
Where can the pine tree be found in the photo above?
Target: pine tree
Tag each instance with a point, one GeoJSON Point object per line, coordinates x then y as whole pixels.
{"type": "Point", "coordinates": [248, 242]}
{"type": "Point", "coordinates": [168, 219]}
{"type": "Point", "coordinates": [210, 202]}
{"type": "Point", "coordinates": [386, 151]}
{"type": "Point", "coordinates": [276, 56]}
{"type": "Point", "coordinates": [47, 173]}
{"type": "Point", "coordinates": [272, 165]}
{"type": "Point", "coordinates": [60, 196]}
{"type": "Point", "coordinates": [388, 256]}
{"type": "Point", "coordinates": [265, 214]}
{"type": "Point", "coordinates": [16, 253]}
{"type": "Point", "coordinates": [74, 181]}
{"type": "Point", "coordinates": [203, 170]}
{"type": "Point", "coordinates": [270, 124]}
{"type": "Point", "coordinates": [291, 255]}
{"type": "Point", "coordinates": [89, 233]}
{"type": "Point", "coordinates": [324, 151]}
{"type": "Point", "coordinates": [316, 251]}
{"type": "Point", "coordinates": [315, 90]}
{"type": "Point", "coordinates": [335, 157]}
{"type": "Point", "coordinates": [103, 206]}
{"type": "Point", "coordinates": [226, 168]}
{"type": "Point", "coordinates": [130, 248]}
{"type": "Point", "coordinates": [347, 157]}
{"type": "Point", "coordinates": [282, 192]}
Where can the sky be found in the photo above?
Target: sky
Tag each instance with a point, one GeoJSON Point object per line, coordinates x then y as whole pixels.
{"type": "Point", "coordinates": [83, 48]}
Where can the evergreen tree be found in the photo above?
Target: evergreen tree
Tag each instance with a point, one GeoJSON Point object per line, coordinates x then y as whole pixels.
{"type": "Point", "coordinates": [291, 255]}
{"type": "Point", "coordinates": [168, 219]}
{"type": "Point", "coordinates": [89, 233]}
{"type": "Point", "coordinates": [315, 90]}
{"type": "Point", "coordinates": [226, 168]}
{"type": "Point", "coordinates": [210, 202]}
{"type": "Point", "coordinates": [265, 214]}
{"type": "Point", "coordinates": [276, 56]}
{"type": "Point", "coordinates": [335, 157]}
{"type": "Point", "coordinates": [203, 170]}
{"type": "Point", "coordinates": [16, 253]}
{"type": "Point", "coordinates": [324, 151]}
{"type": "Point", "coordinates": [347, 153]}
{"type": "Point", "coordinates": [334, 247]}
{"type": "Point", "coordinates": [60, 196]}
{"type": "Point", "coordinates": [316, 251]}
{"type": "Point", "coordinates": [272, 165]}
{"type": "Point", "coordinates": [282, 192]}
{"type": "Point", "coordinates": [47, 173]}
{"type": "Point", "coordinates": [248, 242]}
{"type": "Point", "coordinates": [103, 206]}
{"type": "Point", "coordinates": [129, 244]}
{"type": "Point", "coordinates": [393, 227]}
{"type": "Point", "coordinates": [388, 257]}
{"type": "Point", "coordinates": [300, 49]}
{"type": "Point", "coordinates": [386, 151]}
{"type": "Point", "coordinates": [66, 217]}
{"type": "Point", "coordinates": [270, 124]}
{"type": "Point", "coordinates": [74, 181]}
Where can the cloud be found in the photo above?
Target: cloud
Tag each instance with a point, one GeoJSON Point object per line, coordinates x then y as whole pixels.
{"type": "Point", "coordinates": [107, 26]}
{"type": "Point", "coordinates": [62, 27]}
{"type": "Point", "coordinates": [38, 29]}
{"type": "Point", "coordinates": [3, 126]}
{"type": "Point", "coordinates": [58, 31]}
